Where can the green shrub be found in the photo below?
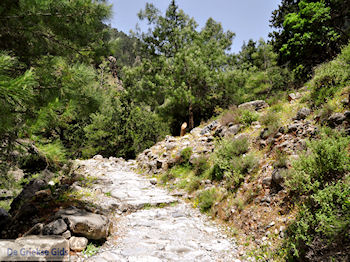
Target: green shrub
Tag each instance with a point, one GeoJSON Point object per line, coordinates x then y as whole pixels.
{"type": "Point", "coordinates": [328, 161]}
{"type": "Point", "coordinates": [281, 159]}
{"type": "Point", "coordinates": [206, 199]}
{"type": "Point", "coordinates": [193, 184]}
{"type": "Point", "coordinates": [216, 173]}
{"type": "Point", "coordinates": [329, 77]}
{"type": "Point", "coordinates": [54, 153]}
{"type": "Point", "coordinates": [201, 165]}
{"type": "Point", "coordinates": [227, 150]}
{"type": "Point", "coordinates": [186, 155]}
{"type": "Point", "coordinates": [271, 120]}
{"type": "Point", "coordinates": [240, 166]}
{"type": "Point", "coordinates": [248, 117]}
{"type": "Point", "coordinates": [322, 226]}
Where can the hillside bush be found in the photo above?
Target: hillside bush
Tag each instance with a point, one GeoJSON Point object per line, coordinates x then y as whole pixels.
{"type": "Point", "coordinates": [206, 199]}
{"type": "Point", "coordinates": [322, 228]}
{"type": "Point", "coordinates": [330, 77]}
{"type": "Point", "coordinates": [327, 160]}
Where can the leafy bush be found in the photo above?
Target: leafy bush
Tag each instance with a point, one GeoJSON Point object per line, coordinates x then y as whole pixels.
{"type": "Point", "coordinates": [328, 161]}
{"type": "Point", "coordinates": [248, 117]}
{"type": "Point", "coordinates": [193, 184]}
{"type": "Point", "coordinates": [322, 227]}
{"type": "Point", "coordinates": [271, 120]}
{"type": "Point", "coordinates": [240, 166]}
{"type": "Point", "coordinates": [186, 155]}
{"type": "Point", "coordinates": [281, 159]}
{"type": "Point", "coordinates": [54, 153]}
{"type": "Point", "coordinates": [238, 116]}
{"type": "Point", "coordinates": [225, 151]}
{"type": "Point", "coordinates": [201, 165]}
{"type": "Point", "coordinates": [329, 77]}
{"type": "Point", "coordinates": [206, 199]}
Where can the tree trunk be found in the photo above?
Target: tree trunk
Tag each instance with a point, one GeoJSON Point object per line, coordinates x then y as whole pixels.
{"type": "Point", "coordinates": [191, 121]}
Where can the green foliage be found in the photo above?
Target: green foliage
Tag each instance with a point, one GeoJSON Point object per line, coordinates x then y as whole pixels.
{"type": "Point", "coordinates": [16, 97]}
{"type": "Point", "coordinates": [327, 161]}
{"type": "Point", "coordinates": [330, 77]}
{"type": "Point", "coordinates": [193, 184]}
{"type": "Point", "coordinates": [230, 163]}
{"type": "Point", "coordinates": [309, 32]}
{"type": "Point", "coordinates": [186, 155]}
{"type": "Point", "coordinates": [90, 250]}
{"type": "Point", "coordinates": [54, 153]}
{"type": "Point", "coordinates": [180, 72]}
{"type": "Point", "coordinates": [248, 117]}
{"type": "Point", "coordinates": [271, 121]}
{"type": "Point", "coordinates": [206, 199]}
{"type": "Point", "coordinates": [323, 224]}
{"type": "Point", "coordinates": [281, 159]}
{"type": "Point", "coordinates": [35, 28]}
{"type": "Point", "coordinates": [240, 166]}
{"type": "Point", "coordinates": [201, 165]}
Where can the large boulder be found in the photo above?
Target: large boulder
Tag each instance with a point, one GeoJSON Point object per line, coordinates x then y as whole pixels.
{"type": "Point", "coordinates": [81, 222]}
{"type": "Point", "coordinates": [56, 227]}
{"type": "Point", "coordinates": [303, 113]}
{"type": "Point", "coordinates": [27, 193]}
{"type": "Point", "coordinates": [255, 105]}
{"type": "Point", "coordinates": [35, 248]}
{"type": "Point", "coordinates": [4, 217]}
{"type": "Point", "coordinates": [336, 119]}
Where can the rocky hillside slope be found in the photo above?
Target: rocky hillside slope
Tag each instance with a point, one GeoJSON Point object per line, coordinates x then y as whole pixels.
{"type": "Point", "coordinates": [235, 167]}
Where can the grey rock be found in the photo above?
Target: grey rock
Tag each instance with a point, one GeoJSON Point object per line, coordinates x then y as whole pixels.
{"type": "Point", "coordinates": [4, 217]}
{"type": "Point", "coordinates": [277, 177]}
{"type": "Point", "coordinates": [78, 243]}
{"type": "Point", "coordinates": [56, 227]}
{"type": "Point", "coordinates": [16, 173]}
{"type": "Point", "coordinates": [233, 130]}
{"type": "Point", "coordinates": [27, 193]}
{"type": "Point", "coordinates": [266, 199]}
{"type": "Point", "coordinates": [90, 225]}
{"type": "Point", "coordinates": [264, 133]}
{"type": "Point", "coordinates": [153, 181]}
{"type": "Point", "coordinates": [278, 135]}
{"type": "Point", "coordinates": [347, 115]}
{"type": "Point", "coordinates": [67, 234]}
{"type": "Point", "coordinates": [255, 105]}
{"type": "Point", "coordinates": [220, 131]}
{"type": "Point", "coordinates": [336, 119]}
{"type": "Point", "coordinates": [98, 157]}
{"type": "Point", "coordinates": [207, 129]}
{"type": "Point", "coordinates": [294, 127]}
{"type": "Point", "coordinates": [303, 113]}
{"type": "Point", "coordinates": [294, 96]}
{"type": "Point", "coordinates": [267, 181]}
{"type": "Point", "coordinates": [170, 146]}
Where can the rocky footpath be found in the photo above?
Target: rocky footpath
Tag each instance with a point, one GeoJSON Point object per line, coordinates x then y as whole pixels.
{"type": "Point", "coordinates": [149, 223]}
{"type": "Point", "coordinates": [127, 214]}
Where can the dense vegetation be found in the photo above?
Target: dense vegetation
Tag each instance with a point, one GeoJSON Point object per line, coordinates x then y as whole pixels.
{"type": "Point", "coordinates": [73, 87]}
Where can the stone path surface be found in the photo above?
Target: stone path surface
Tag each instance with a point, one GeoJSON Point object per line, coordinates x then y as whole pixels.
{"type": "Point", "coordinates": [150, 224]}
